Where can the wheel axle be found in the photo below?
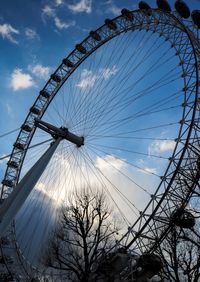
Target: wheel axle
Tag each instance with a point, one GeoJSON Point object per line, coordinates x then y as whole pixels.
{"type": "Point", "coordinates": [61, 132]}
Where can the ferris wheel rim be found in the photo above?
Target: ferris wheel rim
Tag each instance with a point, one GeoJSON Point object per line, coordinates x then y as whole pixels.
{"type": "Point", "coordinates": [87, 39]}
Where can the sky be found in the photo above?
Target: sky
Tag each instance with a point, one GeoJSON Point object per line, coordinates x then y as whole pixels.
{"type": "Point", "coordinates": [34, 37]}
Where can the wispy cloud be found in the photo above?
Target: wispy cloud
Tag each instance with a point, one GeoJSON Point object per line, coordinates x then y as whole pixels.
{"type": "Point", "coordinates": [108, 72]}
{"type": "Point", "coordinates": [20, 80]}
{"type": "Point", "coordinates": [112, 8]}
{"type": "Point", "coordinates": [59, 2]}
{"type": "Point", "coordinates": [48, 11]}
{"type": "Point", "coordinates": [161, 146]}
{"type": "Point", "coordinates": [7, 31]}
{"type": "Point", "coordinates": [40, 71]}
{"type": "Point", "coordinates": [109, 161]}
{"type": "Point", "coordinates": [88, 78]}
{"type": "Point", "coordinates": [9, 110]}
{"type": "Point", "coordinates": [63, 25]}
{"type": "Point", "coordinates": [31, 34]}
{"type": "Point", "coordinates": [83, 6]}
{"type": "Point", "coordinates": [149, 170]}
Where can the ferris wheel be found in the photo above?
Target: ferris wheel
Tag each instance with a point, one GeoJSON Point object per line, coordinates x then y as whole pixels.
{"type": "Point", "coordinates": [120, 112]}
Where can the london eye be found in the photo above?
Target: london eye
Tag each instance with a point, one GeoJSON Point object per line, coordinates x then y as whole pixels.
{"type": "Point", "coordinates": [120, 112]}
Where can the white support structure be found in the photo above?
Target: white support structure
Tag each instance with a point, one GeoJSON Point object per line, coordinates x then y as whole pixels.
{"type": "Point", "coordinates": [11, 205]}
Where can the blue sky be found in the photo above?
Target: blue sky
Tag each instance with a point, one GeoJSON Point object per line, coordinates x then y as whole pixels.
{"type": "Point", "coordinates": [37, 35]}
{"type": "Point", "coordinates": [34, 37]}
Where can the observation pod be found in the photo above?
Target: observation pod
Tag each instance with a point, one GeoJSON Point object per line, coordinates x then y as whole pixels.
{"type": "Point", "coordinates": [113, 263]}
{"type": "Point", "coordinates": [13, 164]}
{"type": "Point", "coordinates": [35, 110]}
{"type": "Point", "coordinates": [196, 18]}
{"type": "Point", "coordinates": [182, 9]}
{"type": "Point", "coordinates": [145, 8]}
{"type": "Point", "coordinates": [81, 49]}
{"type": "Point", "coordinates": [127, 14]}
{"type": "Point", "coordinates": [163, 5]}
{"type": "Point", "coordinates": [56, 78]}
{"type": "Point", "coordinates": [44, 94]}
{"type": "Point", "coordinates": [150, 264]}
{"type": "Point", "coordinates": [26, 127]}
{"type": "Point", "coordinates": [7, 182]}
{"type": "Point", "coordinates": [95, 35]}
{"type": "Point", "coordinates": [184, 219]}
{"type": "Point", "coordinates": [4, 241]}
{"type": "Point", "coordinates": [19, 145]}
{"type": "Point", "coordinates": [68, 63]}
{"type": "Point", "coordinates": [111, 24]}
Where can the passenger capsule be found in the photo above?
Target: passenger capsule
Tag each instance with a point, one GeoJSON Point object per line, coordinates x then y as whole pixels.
{"type": "Point", "coordinates": [144, 7]}
{"type": "Point", "coordinates": [13, 164]}
{"type": "Point", "coordinates": [95, 35]}
{"type": "Point", "coordinates": [19, 145]}
{"type": "Point", "coordinates": [164, 5]}
{"type": "Point", "coordinates": [4, 240]}
{"type": "Point", "coordinates": [182, 9]}
{"type": "Point", "coordinates": [183, 218]}
{"type": "Point", "coordinates": [196, 18]}
{"type": "Point", "coordinates": [150, 263]}
{"type": "Point", "coordinates": [111, 24]}
{"type": "Point", "coordinates": [45, 94]}
{"type": "Point", "coordinates": [81, 49]}
{"type": "Point", "coordinates": [7, 182]}
{"type": "Point", "coordinates": [68, 63]}
{"type": "Point", "coordinates": [26, 127]}
{"type": "Point", "coordinates": [127, 14]}
{"type": "Point", "coordinates": [56, 78]}
{"type": "Point", "coordinates": [35, 110]}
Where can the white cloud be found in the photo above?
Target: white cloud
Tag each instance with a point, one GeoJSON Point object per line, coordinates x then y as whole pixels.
{"type": "Point", "coordinates": [40, 71]}
{"type": "Point", "coordinates": [31, 34]}
{"type": "Point", "coordinates": [116, 11]}
{"type": "Point", "coordinates": [9, 109]}
{"type": "Point", "coordinates": [109, 162]}
{"type": "Point", "coordinates": [48, 11]}
{"type": "Point", "coordinates": [51, 13]}
{"type": "Point", "coordinates": [7, 31]}
{"type": "Point", "coordinates": [63, 25]}
{"type": "Point", "coordinates": [149, 170]}
{"type": "Point", "coordinates": [112, 8]}
{"type": "Point", "coordinates": [88, 79]}
{"type": "Point", "coordinates": [108, 72]}
{"type": "Point", "coordinates": [161, 146]}
{"type": "Point", "coordinates": [81, 7]}
{"type": "Point", "coordinates": [20, 80]}
{"type": "Point", "coordinates": [59, 2]}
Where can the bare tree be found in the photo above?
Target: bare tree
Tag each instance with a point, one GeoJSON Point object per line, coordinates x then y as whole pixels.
{"type": "Point", "coordinates": [180, 253]}
{"type": "Point", "coordinates": [86, 231]}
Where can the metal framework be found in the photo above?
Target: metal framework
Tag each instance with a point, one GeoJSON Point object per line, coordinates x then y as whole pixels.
{"type": "Point", "coordinates": [182, 173]}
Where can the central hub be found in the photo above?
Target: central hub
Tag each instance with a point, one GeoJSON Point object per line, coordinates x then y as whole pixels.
{"type": "Point", "coordinates": [79, 141]}
{"type": "Point", "coordinates": [61, 132]}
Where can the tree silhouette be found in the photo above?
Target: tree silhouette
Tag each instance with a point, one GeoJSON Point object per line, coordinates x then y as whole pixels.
{"type": "Point", "coordinates": [180, 253]}
{"type": "Point", "coordinates": [85, 232]}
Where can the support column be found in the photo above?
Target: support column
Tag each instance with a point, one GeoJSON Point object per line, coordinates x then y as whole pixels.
{"type": "Point", "coordinates": [11, 205]}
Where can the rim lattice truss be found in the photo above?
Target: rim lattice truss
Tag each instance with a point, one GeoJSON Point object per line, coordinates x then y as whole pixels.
{"type": "Point", "coordinates": [181, 173]}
